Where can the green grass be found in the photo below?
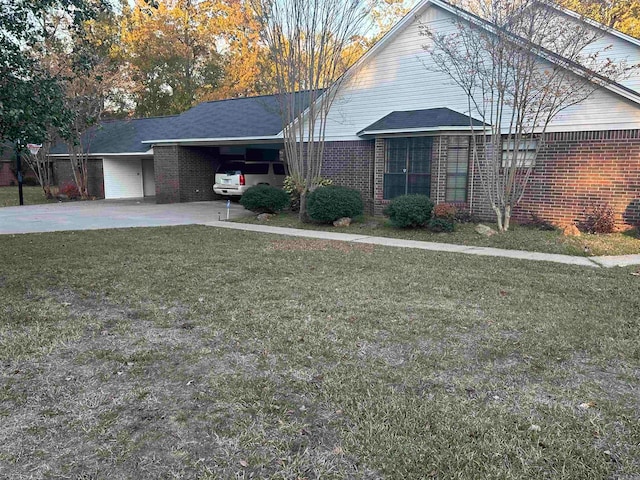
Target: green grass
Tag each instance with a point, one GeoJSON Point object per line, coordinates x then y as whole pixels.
{"type": "Point", "coordinates": [195, 352]}
{"type": "Point", "coordinates": [32, 196]}
{"type": "Point", "coordinates": [517, 238]}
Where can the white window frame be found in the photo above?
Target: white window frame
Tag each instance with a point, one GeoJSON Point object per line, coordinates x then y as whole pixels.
{"type": "Point", "coordinates": [526, 153]}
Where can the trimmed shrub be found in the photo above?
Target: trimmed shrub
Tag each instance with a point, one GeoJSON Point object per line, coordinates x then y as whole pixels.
{"type": "Point", "coordinates": [327, 204]}
{"type": "Point", "coordinates": [293, 188]}
{"type": "Point", "coordinates": [30, 182]}
{"type": "Point", "coordinates": [445, 210]}
{"type": "Point", "coordinates": [441, 224]}
{"type": "Point", "coordinates": [265, 199]}
{"type": "Point", "coordinates": [70, 189]}
{"type": "Point", "coordinates": [599, 219]}
{"type": "Point", "coordinates": [463, 215]}
{"type": "Point", "coordinates": [409, 211]}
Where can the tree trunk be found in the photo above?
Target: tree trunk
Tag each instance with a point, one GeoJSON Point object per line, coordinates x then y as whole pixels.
{"type": "Point", "coordinates": [498, 216]}
{"type": "Point", "coordinates": [507, 218]}
{"type": "Point", "coordinates": [302, 214]}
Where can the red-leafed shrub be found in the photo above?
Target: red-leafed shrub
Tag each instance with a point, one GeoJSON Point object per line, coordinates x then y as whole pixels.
{"type": "Point", "coordinates": [599, 219]}
{"type": "Point", "coordinates": [445, 210]}
{"type": "Point", "coordinates": [70, 189]}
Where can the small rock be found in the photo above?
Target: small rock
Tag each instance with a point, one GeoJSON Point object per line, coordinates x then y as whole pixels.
{"type": "Point", "coordinates": [484, 230]}
{"type": "Point", "coordinates": [571, 231]}
{"type": "Point", "coordinates": [342, 222]}
{"type": "Point", "coordinates": [263, 217]}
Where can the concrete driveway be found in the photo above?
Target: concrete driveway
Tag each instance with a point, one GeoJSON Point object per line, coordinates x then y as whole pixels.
{"type": "Point", "coordinates": [100, 214]}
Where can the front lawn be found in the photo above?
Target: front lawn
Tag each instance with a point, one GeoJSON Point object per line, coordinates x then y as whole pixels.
{"type": "Point", "coordinates": [196, 352]}
{"type": "Point", "coordinates": [517, 238]}
{"type": "Point", "coordinates": [31, 195]}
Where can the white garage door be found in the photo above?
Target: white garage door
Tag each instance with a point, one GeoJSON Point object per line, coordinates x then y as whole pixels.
{"type": "Point", "coordinates": [122, 178]}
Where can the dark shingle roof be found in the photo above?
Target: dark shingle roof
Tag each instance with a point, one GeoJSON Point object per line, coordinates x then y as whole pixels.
{"type": "Point", "coordinates": [421, 119]}
{"type": "Point", "coordinates": [123, 136]}
{"type": "Point", "coordinates": [232, 118]}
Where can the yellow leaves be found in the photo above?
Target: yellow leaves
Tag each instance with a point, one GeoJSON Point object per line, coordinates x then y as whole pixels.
{"type": "Point", "coordinates": [623, 15]}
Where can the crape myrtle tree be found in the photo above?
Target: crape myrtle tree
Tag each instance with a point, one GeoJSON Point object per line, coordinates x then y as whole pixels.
{"type": "Point", "coordinates": [306, 40]}
{"type": "Point", "coordinates": [520, 64]}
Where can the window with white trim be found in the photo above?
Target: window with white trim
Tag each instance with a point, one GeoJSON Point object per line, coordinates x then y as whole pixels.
{"type": "Point", "coordinates": [526, 153]}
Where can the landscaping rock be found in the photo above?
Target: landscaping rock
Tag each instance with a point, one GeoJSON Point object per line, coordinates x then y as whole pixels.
{"type": "Point", "coordinates": [342, 222]}
{"type": "Point", "coordinates": [264, 217]}
{"type": "Point", "coordinates": [484, 230]}
{"type": "Point", "coordinates": [571, 231]}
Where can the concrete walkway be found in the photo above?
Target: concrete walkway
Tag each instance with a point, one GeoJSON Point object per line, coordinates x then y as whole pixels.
{"type": "Point", "coordinates": [605, 261]}
{"type": "Point", "coordinates": [103, 214]}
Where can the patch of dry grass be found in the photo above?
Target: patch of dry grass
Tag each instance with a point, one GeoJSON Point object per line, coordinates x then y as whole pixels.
{"type": "Point", "coordinates": [196, 352]}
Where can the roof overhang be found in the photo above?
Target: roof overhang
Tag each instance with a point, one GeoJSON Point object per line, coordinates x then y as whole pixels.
{"type": "Point", "coordinates": [547, 55]}
{"type": "Point", "coordinates": [217, 141]}
{"type": "Point", "coordinates": [414, 131]}
{"type": "Point", "coordinates": [148, 153]}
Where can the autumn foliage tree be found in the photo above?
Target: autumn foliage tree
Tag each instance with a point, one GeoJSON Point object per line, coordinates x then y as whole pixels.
{"type": "Point", "coordinates": [171, 54]}
{"type": "Point", "coordinates": [623, 15]}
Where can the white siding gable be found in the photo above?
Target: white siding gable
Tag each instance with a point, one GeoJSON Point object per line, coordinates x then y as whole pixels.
{"type": "Point", "coordinates": [395, 78]}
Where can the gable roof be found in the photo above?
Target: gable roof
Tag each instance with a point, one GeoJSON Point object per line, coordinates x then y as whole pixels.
{"type": "Point", "coordinates": [430, 119]}
{"type": "Point", "coordinates": [556, 59]}
{"type": "Point", "coordinates": [544, 53]}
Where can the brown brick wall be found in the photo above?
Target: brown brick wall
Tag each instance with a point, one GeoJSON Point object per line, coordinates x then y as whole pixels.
{"type": "Point", "coordinates": [574, 172]}
{"type": "Point", "coordinates": [166, 173]}
{"type": "Point", "coordinates": [197, 166]}
{"type": "Point", "coordinates": [62, 174]}
{"type": "Point", "coordinates": [184, 174]}
{"type": "Point", "coordinates": [351, 164]}
{"type": "Point", "coordinates": [577, 171]}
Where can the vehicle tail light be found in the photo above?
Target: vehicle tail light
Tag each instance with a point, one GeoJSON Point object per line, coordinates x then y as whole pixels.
{"type": "Point", "coordinates": [241, 179]}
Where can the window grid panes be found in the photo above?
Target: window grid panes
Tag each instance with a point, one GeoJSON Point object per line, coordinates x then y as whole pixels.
{"type": "Point", "coordinates": [526, 153]}
{"type": "Point", "coordinates": [457, 169]}
{"type": "Point", "coordinates": [407, 166]}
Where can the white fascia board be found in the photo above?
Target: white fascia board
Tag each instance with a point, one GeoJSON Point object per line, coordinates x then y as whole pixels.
{"type": "Point", "coordinates": [126, 154]}
{"type": "Point", "coordinates": [418, 130]}
{"type": "Point", "coordinates": [612, 87]}
{"type": "Point", "coordinates": [216, 141]}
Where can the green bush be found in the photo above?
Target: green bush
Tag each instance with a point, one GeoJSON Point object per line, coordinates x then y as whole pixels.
{"type": "Point", "coordinates": [327, 204]}
{"type": "Point", "coordinates": [409, 211]}
{"type": "Point", "coordinates": [441, 224]}
{"type": "Point", "coordinates": [265, 199]}
{"type": "Point", "coordinates": [30, 182]}
{"type": "Point", "coordinates": [294, 188]}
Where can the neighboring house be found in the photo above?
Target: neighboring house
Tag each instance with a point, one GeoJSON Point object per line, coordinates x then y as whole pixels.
{"type": "Point", "coordinates": [7, 165]}
{"type": "Point", "coordinates": [398, 127]}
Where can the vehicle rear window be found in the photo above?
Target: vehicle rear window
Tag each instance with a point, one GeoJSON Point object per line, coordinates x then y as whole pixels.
{"type": "Point", "coordinates": [255, 168]}
{"type": "Point", "coordinates": [231, 168]}
{"type": "Point", "coordinates": [278, 168]}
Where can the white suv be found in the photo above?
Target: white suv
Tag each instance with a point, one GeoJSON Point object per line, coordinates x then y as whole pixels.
{"type": "Point", "coordinates": [234, 178]}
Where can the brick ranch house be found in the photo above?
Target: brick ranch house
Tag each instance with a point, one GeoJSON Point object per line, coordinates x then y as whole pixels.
{"type": "Point", "coordinates": [394, 127]}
